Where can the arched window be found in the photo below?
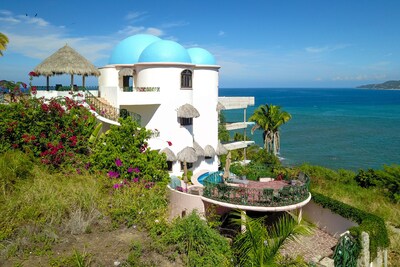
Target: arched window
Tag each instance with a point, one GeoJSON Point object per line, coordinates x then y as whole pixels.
{"type": "Point", "coordinates": [186, 79]}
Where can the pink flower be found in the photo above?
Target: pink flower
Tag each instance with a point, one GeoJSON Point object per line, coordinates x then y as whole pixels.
{"type": "Point", "coordinates": [113, 174]}
{"type": "Point", "coordinates": [33, 74]}
{"type": "Point", "coordinates": [130, 170]}
{"type": "Point", "coordinates": [116, 186]}
{"type": "Point", "coordinates": [136, 179]}
{"type": "Point", "coordinates": [118, 162]}
{"type": "Point", "coordinates": [169, 143]}
{"type": "Point", "coordinates": [136, 170]}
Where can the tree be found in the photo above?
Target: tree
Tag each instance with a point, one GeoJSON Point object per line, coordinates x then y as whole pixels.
{"type": "Point", "coordinates": [269, 118]}
{"type": "Point", "coordinates": [3, 43]}
{"type": "Point", "coordinates": [259, 245]}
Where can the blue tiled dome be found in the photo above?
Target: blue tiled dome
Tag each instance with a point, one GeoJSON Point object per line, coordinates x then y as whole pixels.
{"type": "Point", "coordinates": [165, 51]}
{"type": "Point", "coordinates": [128, 50]}
{"type": "Point", "coordinates": [201, 56]}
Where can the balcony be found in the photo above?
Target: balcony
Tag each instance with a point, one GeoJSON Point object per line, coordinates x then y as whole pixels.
{"type": "Point", "coordinates": [273, 195]}
{"type": "Point", "coordinates": [141, 89]}
{"type": "Point", "coordinates": [129, 96]}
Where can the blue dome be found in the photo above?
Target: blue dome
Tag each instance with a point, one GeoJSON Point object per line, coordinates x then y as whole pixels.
{"type": "Point", "coordinates": [201, 56]}
{"type": "Point", "coordinates": [128, 50]}
{"type": "Point", "coordinates": [165, 51]}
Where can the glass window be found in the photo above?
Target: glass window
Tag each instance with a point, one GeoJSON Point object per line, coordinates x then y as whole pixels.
{"type": "Point", "coordinates": [186, 121]}
{"type": "Point", "coordinates": [186, 79]}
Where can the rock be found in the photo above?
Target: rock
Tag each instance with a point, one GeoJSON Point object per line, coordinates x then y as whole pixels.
{"type": "Point", "coordinates": [327, 262]}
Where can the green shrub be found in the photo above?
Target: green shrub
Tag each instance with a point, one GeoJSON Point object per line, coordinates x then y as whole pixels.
{"type": "Point", "coordinates": [390, 181]}
{"type": "Point", "coordinates": [128, 145]}
{"type": "Point", "coordinates": [261, 156]}
{"type": "Point", "coordinates": [200, 245]}
{"type": "Point", "coordinates": [366, 178]}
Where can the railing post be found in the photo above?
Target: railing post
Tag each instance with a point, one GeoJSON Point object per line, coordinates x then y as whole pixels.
{"type": "Point", "coordinates": [243, 221]}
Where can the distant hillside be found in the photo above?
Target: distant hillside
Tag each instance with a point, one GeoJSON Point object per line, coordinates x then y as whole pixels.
{"type": "Point", "coordinates": [385, 85]}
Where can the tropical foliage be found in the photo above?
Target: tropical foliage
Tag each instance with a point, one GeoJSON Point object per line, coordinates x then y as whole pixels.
{"type": "Point", "coordinates": [387, 179]}
{"type": "Point", "coordinates": [259, 245]}
{"type": "Point", "coordinates": [3, 43]}
{"type": "Point", "coordinates": [201, 245]}
{"type": "Point", "coordinates": [56, 131]}
{"type": "Point", "coordinates": [124, 147]}
{"type": "Point", "coordinates": [269, 118]}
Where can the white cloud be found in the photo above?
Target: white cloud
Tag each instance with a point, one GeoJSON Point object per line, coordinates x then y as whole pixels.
{"type": "Point", "coordinates": [221, 33]}
{"type": "Point", "coordinates": [359, 77]}
{"type": "Point", "coordinates": [135, 15]}
{"type": "Point", "coordinates": [323, 49]}
{"type": "Point", "coordinates": [131, 30]}
{"type": "Point", "coordinates": [37, 38]}
{"type": "Point", "coordinates": [174, 24]}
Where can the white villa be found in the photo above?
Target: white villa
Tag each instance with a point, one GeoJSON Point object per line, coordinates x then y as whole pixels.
{"type": "Point", "coordinates": [175, 92]}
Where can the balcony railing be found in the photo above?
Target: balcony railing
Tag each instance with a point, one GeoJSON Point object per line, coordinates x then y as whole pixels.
{"type": "Point", "coordinates": [263, 197]}
{"type": "Point", "coordinates": [59, 87]}
{"type": "Point", "coordinates": [108, 111]}
{"type": "Point", "coordinates": [141, 89]}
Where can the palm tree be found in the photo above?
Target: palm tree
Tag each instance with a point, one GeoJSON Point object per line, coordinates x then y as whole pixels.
{"type": "Point", "coordinates": [3, 43]}
{"type": "Point", "coordinates": [259, 245]}
{"type": "Point", "coordinates": [269, 118]}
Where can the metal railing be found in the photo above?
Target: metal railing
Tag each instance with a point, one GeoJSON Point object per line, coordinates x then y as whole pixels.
{"type": "Point", "coordinates": [263, 197]}
{"type": "Point", "coordinates": [65, 88]}
{"type": "Point", "coordinates": [141, 89]}
{"type": "Point", "coordinates": [108, 111]}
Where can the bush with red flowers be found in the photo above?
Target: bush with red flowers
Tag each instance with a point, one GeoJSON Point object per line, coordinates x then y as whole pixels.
{"type": "Point", "coordinates": [55, 130]}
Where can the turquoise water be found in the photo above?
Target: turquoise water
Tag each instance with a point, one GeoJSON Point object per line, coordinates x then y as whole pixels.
{"type": "Point", "coordinates": [336, 128]}
{"type": "Point", "coordinates": [202, 177]}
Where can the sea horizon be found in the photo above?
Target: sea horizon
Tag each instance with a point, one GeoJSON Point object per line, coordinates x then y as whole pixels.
{"type": "Point", "coordinates": [338, 128]}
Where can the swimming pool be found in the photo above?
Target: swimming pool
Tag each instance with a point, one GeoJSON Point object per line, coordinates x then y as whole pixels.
{"type": "Point", "coordinates": [201, 178]}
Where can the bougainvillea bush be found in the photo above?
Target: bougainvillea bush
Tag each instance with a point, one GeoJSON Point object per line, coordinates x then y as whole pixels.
{"type": "Point", "coordinates": [123, 152]}
{"type": "Point", "coordinates": [55, 130]}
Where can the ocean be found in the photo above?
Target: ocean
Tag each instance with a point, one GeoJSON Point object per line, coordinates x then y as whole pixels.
{"type": "Point", "coordinates": [335, 128]}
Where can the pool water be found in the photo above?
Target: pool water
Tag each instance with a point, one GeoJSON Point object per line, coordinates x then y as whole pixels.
{"type": "Point", "coordinates": [201, 178]}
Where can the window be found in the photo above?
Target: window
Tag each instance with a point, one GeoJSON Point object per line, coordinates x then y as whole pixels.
{"type": "Point", "coordinates": [188, 164]}
{"type": "Point", "coordinates": [169, 164]}
{"type": "Point", "coordinates": [186, 79]}
{"type": "Point", "coordinates": [186, 121]}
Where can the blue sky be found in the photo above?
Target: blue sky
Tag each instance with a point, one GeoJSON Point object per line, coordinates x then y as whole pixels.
{"type": "Point", "coordinates": [270, 43]}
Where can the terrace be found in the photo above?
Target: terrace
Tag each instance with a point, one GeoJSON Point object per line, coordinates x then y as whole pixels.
{"type": "Point", "coordinates": [265, 195]}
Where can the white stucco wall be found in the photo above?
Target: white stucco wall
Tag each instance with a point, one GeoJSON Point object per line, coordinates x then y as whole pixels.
{"type": "Point", "coordinates": [326, 220]}
{"type": "Point", "coordinates": [159, 109]}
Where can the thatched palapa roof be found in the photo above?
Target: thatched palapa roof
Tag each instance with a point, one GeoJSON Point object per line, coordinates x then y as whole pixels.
{"type": "Point", "coordinates": [220, 106]}
{"type": "Point", "coordinates": [188, 111]}
{"type": "Point", "coordinates": [221, 150]}
{"type": "Point", "coordinates": [168, 152]}
{"type": "Point", "coordinates": [126, 72]}
{"type": "Point", "coordinates": [199, 150]}
{"type": "Point", "coordinates": [66, 61]}
{"type": "Point", "coordinates": [187, 154]}
{"type": "Point", "coordinates": [209, 151]}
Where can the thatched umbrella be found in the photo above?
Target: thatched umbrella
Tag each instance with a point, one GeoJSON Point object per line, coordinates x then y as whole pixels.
{"type": "Point", "coordinates": [188, 154]}
{"type": "Point", "coordinates": [168, 152]}
{"type": "Point", "coordinates": [188, 111]}
{"type": "Point", "coordinates": [209, 151]}
{"type": "Point", "coordinates": [227, 166]}
{"type": "Point", "coordinates": [221, 150]}
{"type": "Point", "coordinates": [199, 150]}
{"type": "Point", "coordinates": [126, 72]}
{"type": "Point", "coordinates": [220, 107]}
{"type": "Point", "coordinates": [66, 61]}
